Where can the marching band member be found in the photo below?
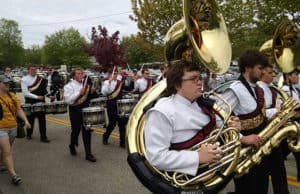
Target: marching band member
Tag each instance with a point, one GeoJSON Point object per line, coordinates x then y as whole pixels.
{"type": "Point", "coordinates": [247, 101]}
{"type": "Point", "coordinates": [34, 88]}
{"type": "Point", "coordinates": [144, 83]}
{"type": "Point", "coordinates": [275, 159]}
{"type": "Point", "coordinates": [77, 93]}
{"type": "Point", "coordinates": [112, 88]}
{"type": "Point", "coordinates": [290, 87]}
{"type": "Point", "coordinates": [169, 132]}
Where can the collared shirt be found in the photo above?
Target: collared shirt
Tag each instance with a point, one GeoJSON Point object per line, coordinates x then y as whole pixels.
{"type": "Point", "coordinates": [108, 87]}
{"type": "Point", "coordinates": [140, 85]}
{"type": "Point", "coordinates": [239, 98]}
{"type": "Point", "coordinates": [72, 91]}
{"type": "Point", "coordinates": [292, 92]}
{"type": "Point", "coordinates": [27, 81]}
{"type": "Point", "coordinates": [268, 99]}
{"type": "Point", "coordinates": [173, 119]}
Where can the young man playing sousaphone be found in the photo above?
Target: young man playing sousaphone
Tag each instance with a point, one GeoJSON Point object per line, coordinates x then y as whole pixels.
{"type": "Point", "coordinates": [276, 158]}
{"type": "Point", "coordinates": [181, 120]}
{"type": "Point", "coordinates": [291, 80]}
{"type": "Point", "coordinates": [77, 93]}
{"type": "Point", "coordinates": [114, 88]}
{"type": "Point", "coordinates": [34, 88]}
{"type": "Point", "coordinates": [247, 101]}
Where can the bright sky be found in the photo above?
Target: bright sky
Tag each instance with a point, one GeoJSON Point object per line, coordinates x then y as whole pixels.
{"type": "Point", "coordinates": [38, 18]}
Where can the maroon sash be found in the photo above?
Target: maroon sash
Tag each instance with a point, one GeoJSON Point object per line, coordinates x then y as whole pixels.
{"type": "Point", "coordinates": [260, 105]}
{"type": "Point", "coordinates": [117, 90]}
{"type": "Point", "coordinates": [201, 135]}
{"type": "Point", "coordinates": [35, 84]}
{"type": "Point", "coordinates": [149, 84]}
{"type": "Point", "coordinates": [274, 96]}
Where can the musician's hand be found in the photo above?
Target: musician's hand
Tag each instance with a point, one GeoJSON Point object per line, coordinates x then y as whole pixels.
{"type": "Point", "coordinates": [209, 153]}
{"type": "Point", "coordinates": [82, 91]}
{"type": "Point", "coordinates": [93, 90]}
{"type": "Point", "coordinates": [27, 125]}
{"type": "Point", "coordinates": [252, 140]}
{"type": "Point", "coordinates": [234, 122]}
{"type": "Point", "coordinates": [41, 97]}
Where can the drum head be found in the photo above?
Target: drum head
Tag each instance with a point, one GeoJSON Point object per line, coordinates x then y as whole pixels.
{"type": "Point", "coordinates": [92, 109]}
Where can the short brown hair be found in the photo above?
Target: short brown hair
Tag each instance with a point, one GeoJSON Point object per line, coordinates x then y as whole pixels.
{"type": "Point", "coordinates": [176, 72]}
{"type": "Point", "coordinates": [250, 58]}
{"type": "Point", "coordinates": [74, 71]}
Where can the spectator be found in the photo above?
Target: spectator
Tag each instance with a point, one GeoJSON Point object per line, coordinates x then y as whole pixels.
{"type": "Point", "coordinates": [10, 108]}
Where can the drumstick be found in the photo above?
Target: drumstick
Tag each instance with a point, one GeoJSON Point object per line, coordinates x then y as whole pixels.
{"type": "Point", "coordinates": [85, 82]}
{"type": "Point", "coordinates": [114, 70]}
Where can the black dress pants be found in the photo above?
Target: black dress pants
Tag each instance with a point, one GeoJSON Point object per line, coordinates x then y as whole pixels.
{"type": "Point", "coordinates": [286, 151]}
{"type": "Point", "coordinates": [278, 172]}
{"type": "Point", "coordinates": [42, 124]}
{"type": "Point", "coordinates": [77, 126]}
{"type": "Point", "coordinates": [256, 181]}
{"type": "Point", "coordinates": [114, 119]}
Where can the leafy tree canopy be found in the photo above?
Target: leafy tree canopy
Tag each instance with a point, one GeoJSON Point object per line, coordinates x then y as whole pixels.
{"type": "Point", "coordinates": [106, 49]}
{"type": "Point", "coordinates": [65, 47]}
{"type": "Point", "coordinates": [138, 50]}
{"type": "Point", "coordinates": [249, 23]}
{"type": "Point", "coordinates": [11, 46]}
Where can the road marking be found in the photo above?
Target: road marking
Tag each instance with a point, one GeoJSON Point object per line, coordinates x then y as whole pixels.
{"type": "Point", "coordinates": [98, 131]}
{"type": "Point", "coordinates": [290, 179]}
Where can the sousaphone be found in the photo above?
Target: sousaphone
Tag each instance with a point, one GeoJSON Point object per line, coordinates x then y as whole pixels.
{"type": "Point", "coordinates": [201, 34]}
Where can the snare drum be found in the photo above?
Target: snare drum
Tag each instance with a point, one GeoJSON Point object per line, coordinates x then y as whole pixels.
{"type": "Point", "coordinates": [125, 106]}
{"type": "Point", "coordinates": [38, 107]}
{"type": "Point", "coordinates": [93, 116]}
{"type": "Point", "coordinates": [50, 108]}
{"type": "Point", "coordinates": [26, 108]}
{"type": "Point", "coordinates": [101, 101]}
{"type": "Point", "coordinates": [61, 107]}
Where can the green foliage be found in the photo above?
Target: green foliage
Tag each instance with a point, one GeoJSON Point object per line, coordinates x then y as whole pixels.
{"type": "Point", "coordinates": [33, 55]}
{"type": "Point", "coordinates": [65, 47]}
{"type": "Point", "coordinates": [138, 50]}
{"type": "Point", "coordinates": [155, 17]}
{"type": "Point", "coordinates": [249, 23]}
{"type": "Point", "coordinates": [11, 48]}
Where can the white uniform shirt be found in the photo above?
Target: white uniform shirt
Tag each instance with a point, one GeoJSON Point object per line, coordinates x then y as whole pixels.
{"type": "Point", "coordinates": [268, 99]}
{"type": "Point", "coordinates": [72, 91]}
{"type": "Point", "coordinates": [108, 87]}
{"type": "Point", "coordinates": [140, 85]}
{"type": "Point", "coordinates": [49, 78]}
{"type": "Point", "coordinates": [241, 101]}
{"type": "Point", "coordinates": [173, 119]}
{"type": "Point", "coordinates": [292, 93]}
{"type": "Point", "coordinates": [27, 81]}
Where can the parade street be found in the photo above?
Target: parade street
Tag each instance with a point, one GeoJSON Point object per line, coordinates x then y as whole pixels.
{"type": "Point", "coordinates": [50, 169]}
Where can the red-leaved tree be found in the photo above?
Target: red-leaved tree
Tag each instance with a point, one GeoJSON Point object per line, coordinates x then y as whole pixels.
{"type": "Point", "coordinates": [106, 49]}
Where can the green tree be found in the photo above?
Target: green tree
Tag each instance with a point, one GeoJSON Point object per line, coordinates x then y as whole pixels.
{"type": "Point", "coordinates": [33, 55]}
{"type": "Point", "coordinates": [155, 17]}
{"type": "Point", "coordinates": [138, 50]}
{"type": "Point", "coordinates": [249, 23]}
{"type": "Point", "coordinates": [11, 46]}
{"type": "Point", "coordinates": [65, 47]}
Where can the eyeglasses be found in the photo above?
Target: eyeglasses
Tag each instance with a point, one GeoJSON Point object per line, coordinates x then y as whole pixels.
{"type": "Point", "coordinates": [194, 79]}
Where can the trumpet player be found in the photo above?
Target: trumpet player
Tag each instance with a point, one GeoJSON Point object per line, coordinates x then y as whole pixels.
{"type": "Point", "coordinates": [179, 121]}
{"type": "Point", "coordinates": [247, 101]}
{"type": "Point", "coordinates": [275, 159]}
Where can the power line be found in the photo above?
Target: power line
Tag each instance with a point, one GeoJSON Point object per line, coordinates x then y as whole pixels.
{"type": "Point", "coordinates": [77, 20]}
